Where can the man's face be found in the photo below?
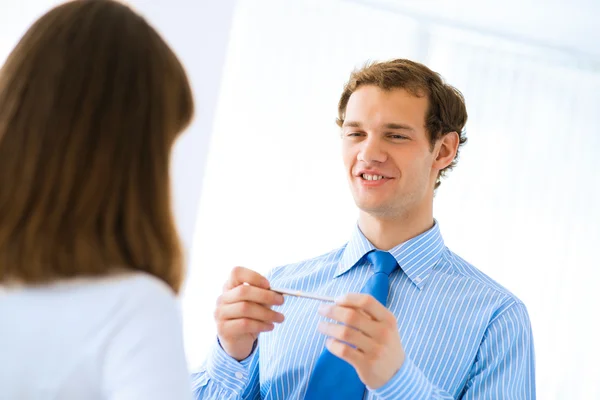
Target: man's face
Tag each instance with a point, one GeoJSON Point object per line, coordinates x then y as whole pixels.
{"type": "Point", "coordinates": [387, 153]}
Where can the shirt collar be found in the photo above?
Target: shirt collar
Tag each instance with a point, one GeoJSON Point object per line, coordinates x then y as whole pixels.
{"type": "Point", "coordinates": [416, 257]}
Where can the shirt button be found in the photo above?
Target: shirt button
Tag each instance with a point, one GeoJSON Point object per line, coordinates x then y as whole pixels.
{"type": "Point", "coordinates": [239, 375]}
{"type": "Point", "coordinates": [418, 280]}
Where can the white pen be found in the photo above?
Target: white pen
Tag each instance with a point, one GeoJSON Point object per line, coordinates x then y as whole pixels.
{"type": "Point", "coordinates": [298, 293]}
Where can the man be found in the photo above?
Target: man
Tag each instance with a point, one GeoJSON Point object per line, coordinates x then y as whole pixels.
{"type": "Point", "coordinates": [411, 319]}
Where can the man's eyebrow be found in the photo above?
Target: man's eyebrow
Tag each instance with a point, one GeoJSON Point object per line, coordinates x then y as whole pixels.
{"type": "Point", "coordinates": [398, 127]}
{"type": "Point", "coordinates": [391, 125]}
{"type": "Point", "coordinates": [352, 124]}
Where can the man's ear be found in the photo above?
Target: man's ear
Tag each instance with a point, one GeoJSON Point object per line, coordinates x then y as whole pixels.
{"type": "Point", "coordinates": [445, 150]}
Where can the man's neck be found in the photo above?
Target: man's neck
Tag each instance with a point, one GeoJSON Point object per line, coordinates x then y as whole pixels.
{"type": "Point", "coordinates": [387, 233]}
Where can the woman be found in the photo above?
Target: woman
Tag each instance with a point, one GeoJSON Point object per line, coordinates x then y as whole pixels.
{"type": "Point", "coordinates": [91, 102]}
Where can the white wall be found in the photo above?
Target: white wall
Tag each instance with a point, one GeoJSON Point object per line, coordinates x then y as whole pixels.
{"type": "Point", "coordinates": [569, 25]}
{"type": "Point", "coordinates": [15, 19]}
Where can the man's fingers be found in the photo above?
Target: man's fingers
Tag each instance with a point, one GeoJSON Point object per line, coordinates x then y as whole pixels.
{"type": "Point", "coordinates": [241, 275]}
{"type": "Point", "coordinates": [354, 318]}
{"type": "Point", "coordinates": [252, 294]}
{"type": "Point", "coordinates": [345, 352]}
{"type": "Point", "coordinates": [369, 305]}
{"type": "Point", "coordinates": [348, 335]}
{"type": "Point", "coordinates": [245, 325]}
{"type": "Point", "coordinates": [247, 310]}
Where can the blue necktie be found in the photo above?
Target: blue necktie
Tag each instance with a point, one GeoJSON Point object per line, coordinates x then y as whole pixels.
{"type": "Point", "coordinates": [333, 378]}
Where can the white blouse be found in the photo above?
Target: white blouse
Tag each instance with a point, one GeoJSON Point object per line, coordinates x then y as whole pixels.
{"type": "Point", "coordinates": [116, 337]}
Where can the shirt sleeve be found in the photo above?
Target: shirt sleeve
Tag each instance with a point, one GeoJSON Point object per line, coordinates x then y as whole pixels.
{"type": "Point", "coordinates": [144, 357]}
{"type": "Point", "coordinates": [222, 377]}
{"type": "Point", "coordinates": [410, 383]}
{"type": "Point", "coordinates": [504, 368]}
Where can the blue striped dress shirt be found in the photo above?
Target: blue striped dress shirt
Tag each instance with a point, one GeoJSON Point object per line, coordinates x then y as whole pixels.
{"type": "Point", "coordinates": [465, 336]}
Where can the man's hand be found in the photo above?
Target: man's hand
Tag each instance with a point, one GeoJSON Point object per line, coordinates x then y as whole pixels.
{"type": "Point", "coordinates": [368, 339]}
{"type": "Point", "coordinates": [244, 310]}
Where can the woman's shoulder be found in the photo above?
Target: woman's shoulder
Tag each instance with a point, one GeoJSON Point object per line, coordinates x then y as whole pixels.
{"type": "Point", "coordinates": [135, 290]}
{"type": "Point", "coordinates": [99, 304]}
{"type": "Point", "coordinates": [114, 295]}
{"type": "Point", "coordinates": [138, 283]}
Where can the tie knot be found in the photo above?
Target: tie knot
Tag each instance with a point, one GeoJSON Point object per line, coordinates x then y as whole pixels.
{"type": "Point", "coordinates": [382, 261]}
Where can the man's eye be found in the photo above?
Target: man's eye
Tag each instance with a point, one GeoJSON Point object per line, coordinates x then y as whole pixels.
{"type": "Point", "coordinates": [397, 137]}
{"type": "Point", "coordinates": [354, 134]}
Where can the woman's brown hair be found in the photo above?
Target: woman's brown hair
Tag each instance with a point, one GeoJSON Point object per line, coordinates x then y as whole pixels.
{"type": "Point", "coordinates": [91, 102]}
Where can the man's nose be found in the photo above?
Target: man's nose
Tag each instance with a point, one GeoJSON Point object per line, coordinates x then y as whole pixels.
{"type": "Point", "coordinates": [372, 151]}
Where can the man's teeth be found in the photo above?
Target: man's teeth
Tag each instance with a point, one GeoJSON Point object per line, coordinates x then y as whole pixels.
{"type": "Point", "coordinates": [372, 177]}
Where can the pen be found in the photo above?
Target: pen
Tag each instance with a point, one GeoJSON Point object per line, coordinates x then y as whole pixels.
{"type": "Point", "coordinates": [298, 293]}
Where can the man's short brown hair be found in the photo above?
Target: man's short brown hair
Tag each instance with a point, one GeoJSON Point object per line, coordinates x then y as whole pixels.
{"type": "Point", "coordinates": [446, 112]}
{"type": "Point", "coordinates": [91, 102]}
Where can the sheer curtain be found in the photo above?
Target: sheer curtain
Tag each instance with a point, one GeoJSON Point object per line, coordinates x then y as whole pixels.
{"type": "Point", "coordinates": [521, 204]}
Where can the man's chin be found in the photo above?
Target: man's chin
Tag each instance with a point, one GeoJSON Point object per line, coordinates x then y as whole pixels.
{"type": "Point", "coordinates": [375, 209]}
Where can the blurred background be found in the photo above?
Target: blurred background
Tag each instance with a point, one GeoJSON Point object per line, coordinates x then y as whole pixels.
{"type": "Point", "coordinates": [258, 178]}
